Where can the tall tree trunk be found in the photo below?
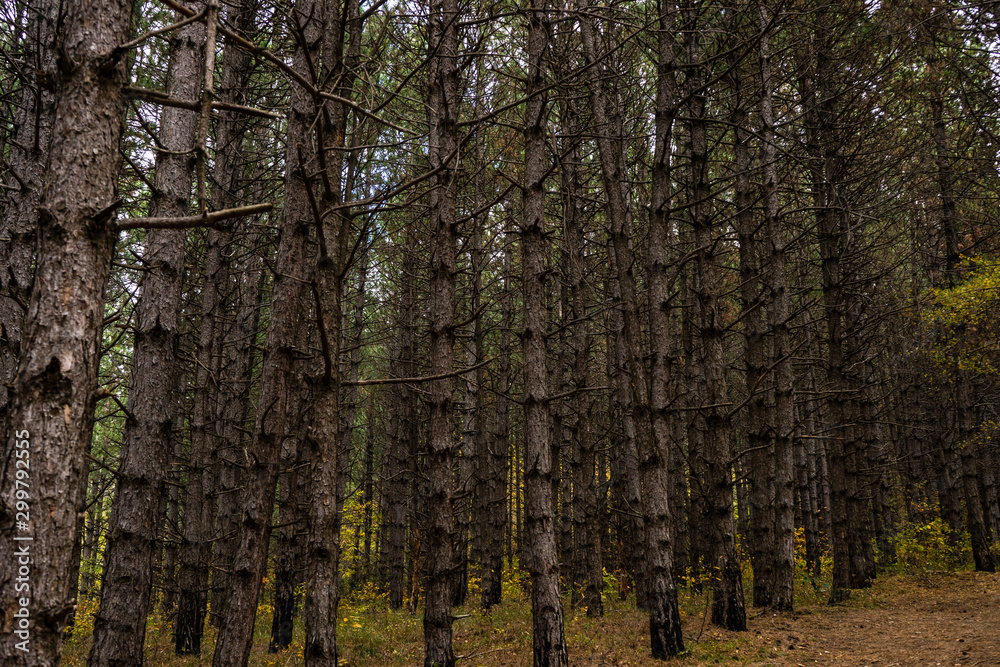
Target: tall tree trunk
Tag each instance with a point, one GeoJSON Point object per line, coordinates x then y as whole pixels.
{"type": "Point", "coordinates": [171, 529]}
{"type": "Point", "coordinates": [52, 410]}
{"type": "Point", "coordinates": [443, 154]}
{"type": "Point", "coordinates": [471, 468]}
{"type": "Point", "coordinates": [497, 456]}
{"type": "Point", "coordinates": [541, 559]}
{"type": "Point", "coordinates": [133, 528]}
{"type": "Point", "coordinates": [620, 232]}
{"type": "Point", "coordinates": [976, 524]}
{"type": "Point", "coordinates": [403, 425]}
{"type": "Point", "coordinates": [290, 519]}
{"type": "Point", "coordinates": [324, 439]}
{"type": "Point", "coordinates": [244, 288]}
{"type": "Point", "coordinates": [666, 637]}
{"type": "Point", "coordinates": [827, 171]}
{"type": "Point", "coordinates": [780, 358]}
{"type": "Point", "coordinates": [759, 447]}
{"type": "Point", "coordinates": [196, 520]}
{"type": "Point", "coordinates": [588, 570]}
{"type": "Point", "coordinates": [712, 418]}
{"type": "Point", "coordinates": [236, 631]}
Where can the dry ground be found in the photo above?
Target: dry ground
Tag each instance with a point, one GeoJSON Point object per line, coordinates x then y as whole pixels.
{"type": "Point", "coordinates": [937, 619]}
{"type": "Point", "coordinates": [932, 619]}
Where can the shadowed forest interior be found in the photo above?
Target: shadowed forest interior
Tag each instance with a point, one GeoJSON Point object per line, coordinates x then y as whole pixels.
{"type": "Point", "coordinates": [311, 308]}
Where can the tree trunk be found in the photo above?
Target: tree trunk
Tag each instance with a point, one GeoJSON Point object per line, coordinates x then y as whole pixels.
{"type": "Point", "coordinates": [29, 154]}
{"type": "Point", "coordinates": [541, 559]}
{"type": "Point", "coordinates": [236, 631]}
{"type": "Point", "coordinates": [497, 456]}
{"type": "Point", "coordinates": [712, 418]}
{"type": "Point", "coordinates": [443, 109]}
{"type": "Point", "coordinates": [133, 528]}
{"type": "Point", "coordinates": [666, 637]}
{"type": "Point", "coordinates": [976, 524]}
{"type": "Point", "coordinates": [619, 232]}
{"type": "Point", "coordinates": [780, 358]}
{"type": "Point", "coordinates": [588, 570]}
{"type": "Point", "coordinates": [239, 323]}
{"type": "Point", "coordinates": [290, 520]}
{"type": "Point", "coordinates": [52, 408]}
{"type": "Point", "coordinates": [403, 425]}
{"type": "Point", "coordinates": [759, 459]}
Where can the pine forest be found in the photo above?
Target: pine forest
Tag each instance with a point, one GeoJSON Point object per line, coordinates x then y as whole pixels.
{"type": "Point", "coordinates": [499, 332]}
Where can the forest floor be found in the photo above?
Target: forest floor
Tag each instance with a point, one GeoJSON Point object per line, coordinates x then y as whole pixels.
{"type": "Point", "coordinates": [931, 618]}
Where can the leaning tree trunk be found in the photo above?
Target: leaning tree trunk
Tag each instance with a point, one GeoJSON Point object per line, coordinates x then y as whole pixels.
{"type": "Point", "coordinates": [549, 643]}
{"type": "Point", "coordinates": [52, 411]}
{"type": "Point", "coordinates": [133, 528]}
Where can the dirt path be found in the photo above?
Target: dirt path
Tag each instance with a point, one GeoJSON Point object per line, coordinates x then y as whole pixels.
{"type": "Point", "coordinates": [937, 619]}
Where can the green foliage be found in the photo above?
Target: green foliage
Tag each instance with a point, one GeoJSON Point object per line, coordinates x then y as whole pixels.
{"type": "Point", "coordinates": [965, 316]}
{"type": "Point", "coordinates": [926, 545]}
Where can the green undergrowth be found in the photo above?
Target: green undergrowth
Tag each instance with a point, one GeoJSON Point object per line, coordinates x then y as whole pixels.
{"type": "Point", "coordinates": [371, 634]}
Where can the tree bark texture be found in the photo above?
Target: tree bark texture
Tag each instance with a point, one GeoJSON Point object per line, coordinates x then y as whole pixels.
{"type": "Point", "coordinates": [236, 631]}
{"type": "Point", "coordinates": [617, 207]}
{"type": "Point", "coordinates": [780, 358]}
{"type": "Point", "coordinates": [712, 418]}
{"type": "Point", "coordinates": [133, 527]}
{"type": "Point", "coordinates": [52, 411]}
{"type": "Point", "coordinates": [29, 156]}
{"type": "Point", "coordinates": [541, 557]}
{"type": "Point", "coordinates": [666, 638]}
{"type": "Point", "coordinates": [443, 154]}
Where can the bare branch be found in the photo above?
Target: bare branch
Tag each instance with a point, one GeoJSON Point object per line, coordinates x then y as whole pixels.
{"type": "Point", "coordinates": [415, 380]}
{"type": "Point", "coordinates": [207, 220]}
{"type": "Point", "coordinates": [158, 97]}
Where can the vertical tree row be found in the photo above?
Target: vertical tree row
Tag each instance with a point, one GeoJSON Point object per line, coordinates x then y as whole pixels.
{"type": "Point", "coordinates": [602, 290]}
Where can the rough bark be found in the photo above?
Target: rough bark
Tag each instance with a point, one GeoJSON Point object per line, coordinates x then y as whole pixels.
{"type": "Point", "coordinates": [52, 409]}
{"type": "Point", "coordinates": [196, 519]}
{"type": "Point", "coordinates": [290, 520]}
{"type": "Point", "coordinates": [541, 558]}
{"type": "Point", "coordinates": [617, 207]}
{"type": "Point", "coordinates": [588, 571]}
{"type": "Point", "coordinates": [443, 154]}
{"type": "Point", "coordinates": [780, 358]}
{"type": "Point", "coordinates": [712, 417]}
{"type": "Point", "coordinates": [29, 153]}
{"type": "Point", "coordinates": [403, 429]}
{"type": "Point", "coordinates": [236, 631]}
{"type": "Point", "coordinates": [975, 522]}
{"type": "Point", "coordinates": [497, 457]}
{"type": "Point", "coordinates": [666, 637]}
{"type": "Point", "coordinates": [758, 445]}
{"type": "Point", "coordinates": [133, 527]}
{"type": "Point", "coordinates": [244, 288]}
